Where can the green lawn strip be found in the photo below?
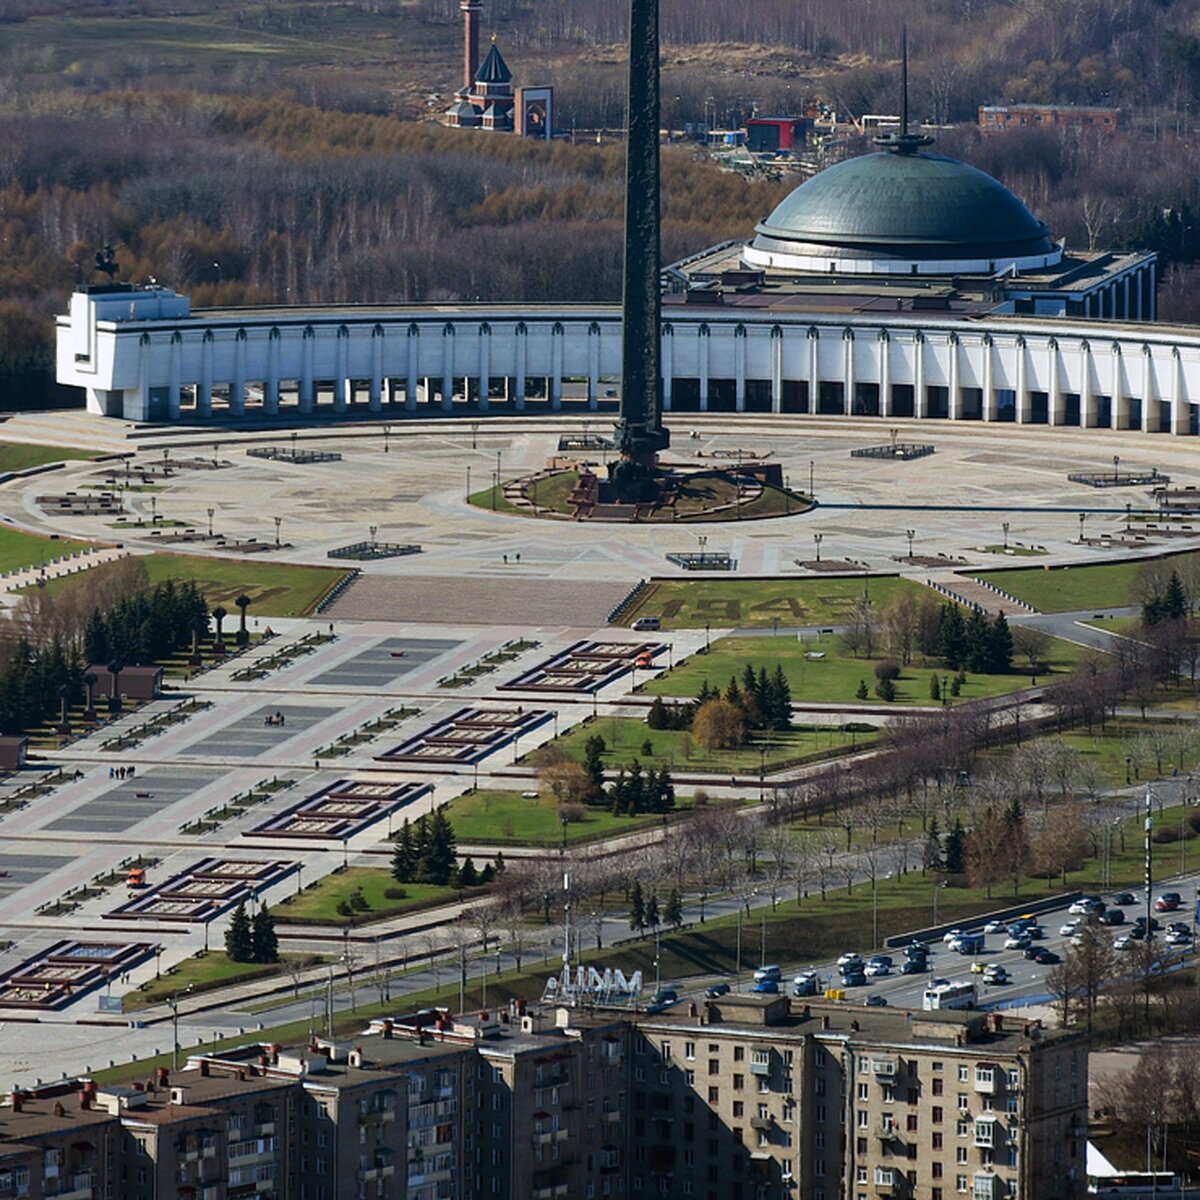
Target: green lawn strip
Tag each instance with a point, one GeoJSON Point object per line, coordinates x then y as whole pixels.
{"type": "Point", "coordinates": [1073, 588]}
{"type": "Point", "coordinates": [213, 970]}
{"type": "Point", "coordinates": [755, 603]}
{"type": "Point", "coordinates": [1126, 626]}
{"type": "Point", "coordinates": [1013, 551]}
{"type": "Point", "coordinates": [275, 589]}
{"type": "Point", "coordinates": [317, 904]}
{"type": "Point", "coordinates": [1108, 749]}
{"type": "Point", "coordinates": [624, 739]}
{"type": "Point", "coordinates": [504, 818]}
{"type": "Point", "coordinates": [835, 677]}
{"type": "Point", "coordinates": [19, 549]}
{"type": "Point", "coordinates": [20, 456]}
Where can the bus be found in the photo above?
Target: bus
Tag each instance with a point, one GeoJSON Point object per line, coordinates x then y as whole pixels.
{"type": "Point", "coordinates": [958, 994]}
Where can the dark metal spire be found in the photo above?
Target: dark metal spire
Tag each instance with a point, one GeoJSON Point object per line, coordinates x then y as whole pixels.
{"type": "Point", "coordinates": [640, 433]}
{"type": "Point", "coordinates": [904, 142]}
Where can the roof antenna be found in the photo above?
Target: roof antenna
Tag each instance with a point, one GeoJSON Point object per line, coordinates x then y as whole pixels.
{"type": "Point", "coordinates": [904, 142]}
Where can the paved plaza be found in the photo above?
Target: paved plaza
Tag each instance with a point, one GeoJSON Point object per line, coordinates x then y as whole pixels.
{"type": "Point", "coordinates": [482, 581]}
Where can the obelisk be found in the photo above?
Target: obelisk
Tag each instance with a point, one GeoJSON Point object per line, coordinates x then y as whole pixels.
{"type": "Point", "coordinates": [640, 433]}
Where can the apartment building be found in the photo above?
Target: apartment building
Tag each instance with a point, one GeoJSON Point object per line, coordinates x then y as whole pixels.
{"type": "Point", "coordinates": [742, 1098]}
{"type": "Point", "coordinates": [750, 1098]}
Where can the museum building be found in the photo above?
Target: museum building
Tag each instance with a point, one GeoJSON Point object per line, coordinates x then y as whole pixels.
{"type": "Point", "coordinates": [897, 284]}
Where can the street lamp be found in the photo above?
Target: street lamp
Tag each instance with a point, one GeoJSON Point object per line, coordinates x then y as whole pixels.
{"type": "Point", "coordinates": [945, 692]}
{"type": "Point", "coordinates": [707, 641]}
{"type": "Point", "coordinates": [386, 447]}
{"type": "Point", "coordinates": [374, 530]}
{"type": "Point", "coordinates": [818, 538]}
{"type": "Point", "coordinates": [474, 434]}
{"type": "Point", "coordinates": [468, 483]}
{"type": "Point", "coordinates": [563, 848]}
{"type": "Point", "coordinates": [211, 514]}
{"type": "Point", "coordinates": [1005, 528]}
{"type": "Point", "coordinates": [1082, 519]}
{"type": "Point", "coordinates": [702, 538]}
{"type": "Point", "coordinates": [910, 534]}
{"type": "Point", "coordinates": [1116, 466]}
{"type": "Point", "coordinates": [278, 522]}
{"type": "Point", "coordinates": [811, 486]}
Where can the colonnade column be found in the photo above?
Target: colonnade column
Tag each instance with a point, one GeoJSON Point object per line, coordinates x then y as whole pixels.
{"type": "Point", "coordinates": [739, 368]}
{"type": "Point", "coordinates": [1150, 423]}
{"type": "Point", "coordinates": [885, 374]}
{"type": "Point", "coordinates": [342, 384]}
{"type": "Point", "coordinates": [668, 365]}
{"type": "Point", "coordinates": [556, 366]}
{"type": "Point", "coordinates": [522, 336]}
{"type": "Point", "coordinates": [920, 400]}
{"type": "Point", "coordinates": [485, 367]}
{"type": "Point", "coordinates": [776, 369]}
{"type": "Point", "coordinates": [175, 370]}
{"type": "Point", "coordinates": [848, 370]}
{"type": "Point", "coordinates": [271, 383]}
{"type": "Point", "coordinates": [954, 407]}
{"type": "Point", "coordinates": [410, 381]}
{"type": "Point", "coordinates": [1023, 406]}
{"type": "Point", "coordinates": [447, 368]}
{"type": "Point", "coordinates": [1056, 413]}
{"type": "Point", "coordinates": [702, 355]}
{"type": "Point", "coordinates": [1181, 410]}
{"type": "Point", "coordinates": [237, 385]}
{"type": "Point", "coordinates": [988, 410]}
{"type": "Point", "coordinates": [1117, 401]}
{"type": "Point", "coordinates": [593, 383]}
{"type": "Point", "coordinates": [814, 367]}
{"type": "Point", "coordinates": [1087, 398]}
{"type": "Point", "coordinates": [306, 371]}
{"type": "Point", "coordinates": [375, 398]}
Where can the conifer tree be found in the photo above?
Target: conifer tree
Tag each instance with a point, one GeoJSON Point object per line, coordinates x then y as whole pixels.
{"type": "Point", "coordinates": [637, 908]}
{"type": "Point", "coordinates": [673, 909]}
{"type": "Point", "coordinates": [265, 943]}
{"type": "Point", "coordinates": [404, 857]}
{"type": "Point", "coordinates": [239, 940]}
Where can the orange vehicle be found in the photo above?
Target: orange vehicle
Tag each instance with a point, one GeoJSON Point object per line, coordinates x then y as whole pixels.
{"type": "Point", "coordinates": [137, 877]}
{"type": "Point", "coordinates": [645, 659]}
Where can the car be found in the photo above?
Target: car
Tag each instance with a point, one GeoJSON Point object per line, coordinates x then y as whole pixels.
{"type": "Point", "coordinates": [1035, 931]}
{"type": "Point", "coordinates": [936, 983]}
{"type": "Point", "coordinates": [1140, 924]}
{"type": "Point", "coordinates": [806, 984]}
{"type": "Point", "coordinates": [916, 950]}
{"type": "Point", "coordinates": [996, 976]}
{"type": "Point", "coordinates": [1137, 933]}
{"type": "Point", "coordinates": [1046, 957]}
{"type": "Point", "coordinates": [951, 935]}
{"type": "Point", "coordinates": [1018, 942]}
{"type": "Point", "coordinates": [849, 959]}
{"type": "Point", "coordinates": [717, 990]}
{"type": "Point", "coordinates": [885, 960]}
{"type": "Point", "coordinates": [978, 967]}
{"type": "Point", "coordinates": [854, 979]}
{"type": "Point", "coordinates": [664, 996]}
{"type": "Point", "coordinates": [1167, 902]}
{"type": "Point", "coordinates": [1070, 927]}
{"type": "Point", "coordinates": [530, 795]}
{"type": "Point", "coordinates": [766, 987]}
{"type": "Point", "coordinates": [875, 1001]}
{"type": "Point", "coordinates": [1127, 939]}
{"type": "Point", "coordinates": [995, 927]}
{"type": "Point", "coordinates": [1113, 916]}
{"type": "Point", "coordinates": [968, 943]}
{"type": "Point", "coordinates": [874, 970]}
{"type": "Point", "coordinates": [773, 973]}
{"type": "Point", "coordinates": [914, 966]}
{"type": "Point", "coordinates": [1124, 898]}
{"type": "Point", "coordinates": [1084, 905]}
{"type": "Point", "coordinates": [1177, 938]}
{"type": "Point", "coordinates": [1178, 927]}
{"type": "Point", "coordinates": [1031, 952]}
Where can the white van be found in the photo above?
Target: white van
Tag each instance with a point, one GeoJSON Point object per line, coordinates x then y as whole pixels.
{"type": "Point", "coordinates": [774, 974]}
{"type": "Point", "coordinates": [644, 623]}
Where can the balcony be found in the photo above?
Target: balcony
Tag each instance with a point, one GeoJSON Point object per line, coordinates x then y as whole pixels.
{"type": "Point", "coordinates": [885, 1068]}
{"type": "Point", "coordinates": [378, 1172]}
{"type": "Point", "coordinates": [761, 1123]}
{"type": "Point", "coordinates": [611, 1118]}
{"type": "Point", "coordinates": [985, 1186]}
{"type": "Point", "coordinates": [887, 1131]}
{"type": "Point", "coordinates": [885, 1180]}
{"type": "Point", "coordinates": [80, 1186]}
{"type": "Point", "coordinates": [760, 1062]}
{"type": "Point", "coordinates": [266, 1129]}
{"type": "Point", "coordinates": [985, 1135]}
{"type": "Point", "coordinates": [986, 1082]}
{"type": "Point", "coordinates": [550, 1136]}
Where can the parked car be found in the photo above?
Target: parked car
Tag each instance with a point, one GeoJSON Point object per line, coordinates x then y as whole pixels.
{"type": "Point", "coordinates": [1113, 916]}
{"type": "Point", "coordinates": [1178, 927]}
{"type": "Point", "coordinates": [717, 990]}
{"type": "Point", "coordinates": [1168, 902]}
{"type": "Point", "coordinates": [1126, 940]}
{"type": "Point", "coordinates": [1124, 898]}
{"type": "Point", "coordinates": [664, 996]}
{"type": "Point", "coordinates": [766, 987]}
{"type": "Point", "coordinates": [1177, 937]}
{"type": "Point", "coordinates": [1018, 942]}
{"type": "Point", "coordinates": [1046, 957]}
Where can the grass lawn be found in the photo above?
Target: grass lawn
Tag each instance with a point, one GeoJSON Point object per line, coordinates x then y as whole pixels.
{"type": "Point", "coordinates": [318, 903]}
{"type": "Point", "coordinates": [1108, 750]}
{"type": "Point", "coordinates": [1071, 589]}
{"type": "Point", "coordinates": [276, 589]}
{"type": "Point", "coordinates": [20, 456]}
{"type": "Point", "coordinates": [19, 549]}
{"type": "Point", "coordinates": [625, 737]}
{"type": "Point", "coordinates": [213, 970]}
{"type": "Point", "coordinates": [1013, 550]}
{"type": "Point", "coordinates": [755, 603]}
{"type": "Point", "coordinates": [507, 818]}
{"type": "Point", "coordinates": [835, 678]}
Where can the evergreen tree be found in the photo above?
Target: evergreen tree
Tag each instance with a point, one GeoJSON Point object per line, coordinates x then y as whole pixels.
{"type": "Point", "coordinates": [436, 862]}
{"type": "Point", "coordinates": [954, 850]}
{"type": "Point", "coordinates": [932, 858]}
{"type": "Point", "coordinates": [733, 693]}
{"type": "Point", "coordinates": [1001, 646]}
{"type": "Point", "coordinates": [618, 794]}
{"type": "Point", "coordinates": [264, 942]}
{"type": "Point", "coordinates": [1174, 601]}
{"type": "Point", "coordinates": [637, 908]}
{"type": "Point", "coordinates": [860, 692]}
{"type": "Point", "coordinates": [404, 856]}
{"type": "Point", "coordinates": [886, 689]}
{"type": "Point", "coordinates": [953, 636]}
{"type": "Point", "coordinates": [780, 699]}
{"type": "Point", "coordinates": [652, 917]}
{"type": "Point", "coordinates": [673, 909]}
{"type": "Point", "coordinates": [657, 717]}
{"type": "Point", "coordinates": [466, 876]}
{"type": "Point", "coordinates": [979, 643]}
{"type": "Point", "coordinates": [593, 764]}
{"type": "Point", "coordinates": [705, 693]}
{"type": "Point", "coordinates": [239, 940]}
{"type": "Point", "coordinates": [935, 689]}
{"type": "Point", "coordinates": [635, 794]}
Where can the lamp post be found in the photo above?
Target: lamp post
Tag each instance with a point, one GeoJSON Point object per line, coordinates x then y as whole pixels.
{"type": "Point", "coordinates": [702, 538]}
{"type": "Point", "coordinates": [278, 523]}
{"type": "Point", "coordinates": [1116, 467]}
{"type": "Point", "coordinates": [910, 534]}
{"type": "Point", "coordinates": [216, 450]}
{"type": "Point", "coordinates": [811, 485]}
{"type": "Point", "coordinates": [762, 770]}
{"type": "Point", "coordinates": [563, 848]}
{"type": "Point", "coordinates": [1128, 516]}
{"type": "Point", "coordinates": [787, 495]}
{"type": "Point", "coordinates": [1004, 526]}
{"type": "Point", "coordinates": [707, 640]}
{"type": "Point", "coordinates": [468, 497]}
{"type": "Point", "coordinates": [211, 513]}
{"type": "Point", "coordinates": [386, 447]}
{"type": "Point", "coordinates": [1082, 520]}
{"type": "Point", "coordinates": [374, 530]}
{"type": "Point", "coordinates": [945, 692]}
{"type": "Point", "coordinates": [153, 510]}
{"type": "Point", "coordinates": [474, 435]}
{"type": "Point", "coordinates": [818, 538]}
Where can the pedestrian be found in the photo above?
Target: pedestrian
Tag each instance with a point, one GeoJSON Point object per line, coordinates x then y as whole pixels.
{"type": "Point", "coordinates": [111, 772]}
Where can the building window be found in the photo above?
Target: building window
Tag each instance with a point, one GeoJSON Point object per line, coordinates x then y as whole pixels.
{"type": "Point", "coordinates": [690, 1078]}
{"type": "Point", "coordinates": [739, 1108]}
{"type": "Point", "coordinates": [714, 1095]}
{"type": "Point", "coordinates": [666, 1051]}
{"type": "Point", "coordinates": [819, 1058]}
{"type": "Point", "coordinates": [864, 1091]}
{"type": "Point", "coordinates": [937, 1141]}
{"type": "Point", "coordinates": [739, 1082]}
{"type": "Point", "coordinates": [689, 1049]}
{"type": "Point", "coordinates": [714, 1066]}
{"type": "Point", "coordinates": [739, 1053]}
{"type": "Point", "coordinates": [960, 1183]}
{"type": "Point", "coordinates": [937, 1087]}
{"type": "Point", "coordinates": [963, 1073]}
{"type": "Point", "coordinates": [937, 1115]}
{"type": "Point", "coordinates": [937, 1170]}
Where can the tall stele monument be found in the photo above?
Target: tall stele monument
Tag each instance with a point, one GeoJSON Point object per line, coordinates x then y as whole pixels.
{"type": "Point", "coordinates": [640, 432]}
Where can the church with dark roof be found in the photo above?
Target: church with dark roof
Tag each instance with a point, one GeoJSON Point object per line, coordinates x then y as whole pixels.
{"type": "Point", "coordinates": [487, 99]}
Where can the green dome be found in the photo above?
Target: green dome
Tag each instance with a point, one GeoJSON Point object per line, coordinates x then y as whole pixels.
{"type": "Point", "coordinates": [904, 206]}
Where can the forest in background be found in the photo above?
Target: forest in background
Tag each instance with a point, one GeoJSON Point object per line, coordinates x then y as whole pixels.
{"type": "Point", "coordinates": [273, 151]}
